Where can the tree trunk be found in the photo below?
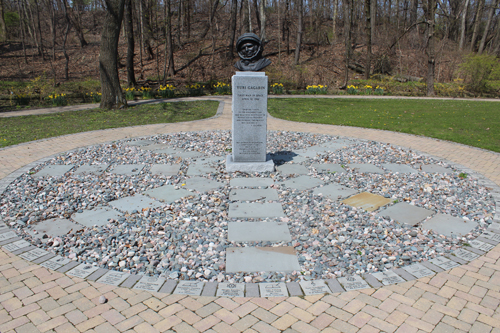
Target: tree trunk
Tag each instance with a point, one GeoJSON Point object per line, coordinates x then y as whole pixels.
{"type": "Point", "coordinates": [146, 31]}
{"type": "Point", "coordinates": [21, 27]}
{"type": "Point", "coordinates": [299, 30]}
{"type": "Point", "coordinates": [477, 23]}
{"type": "Point", "coordinates": [3, 26]}
{"type": "Point", "coordinates": [493, 8]}
{"type": "Point", "coordinates": [232, 28]}
{"type": "Point", "coordinates": [348, 11]}
{"type": "Point", "coordinates": [414, 11]}
{"type": "Point", "coordinates": [368, 28]}
{"type": "Point", "coordinates": [334, 23]}
{"type": "Point", "coordinates": [373, 18]}
{"type": "Point", "coordinates": [462, 26]}
{"type": "Point", "coordinates": [244, 16]}
{"type": "Point", "coordinates": [430, 13]}
{"type": "Point", "coordinates": [262, 11]}
{"type": "Point", "coordinates": [66, 56]}
{"type": "Point", "coordinates": [170, 49]}
{"type": "Point", "coordinates": [112, 95]}
{"type": "Point", "coordinates": [129, 28]}
{"type": "Point", "coordinates": [76, 24]}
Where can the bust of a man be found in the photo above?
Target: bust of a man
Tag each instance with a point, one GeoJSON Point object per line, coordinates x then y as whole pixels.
{"type": "Point", "coordinates": [250, 49]}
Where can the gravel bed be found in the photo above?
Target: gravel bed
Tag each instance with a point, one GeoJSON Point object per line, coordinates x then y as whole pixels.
{"type": "Point", "coordinates": [187, 240]}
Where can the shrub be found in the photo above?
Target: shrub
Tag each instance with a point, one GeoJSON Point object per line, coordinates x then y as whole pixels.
{"type": "Point", "coordinates": [277, 88]}
{"type": "Point", "coordinates": [129, 94]}
{"type": "Point", "coordinates": [195, 89]}
{"type": "Point", "coordinates": [352, 90]}
{"type": "Point", "coordinates": [147, 93]}
{"type": "Point", "coordinates": [58, 99]}
{"type": "Point", "coordinates": [477, 70]}
{"type": "Point", "coordinates": [167, 91]}
{"type": "Point", "coordinates": [222, 88]}
{"type": "Point", "coordinates": [94, 97]}
{"type": "Point", "coordinates": [21, 99]}
{"type": "Point", "coordinates": [316, 89]}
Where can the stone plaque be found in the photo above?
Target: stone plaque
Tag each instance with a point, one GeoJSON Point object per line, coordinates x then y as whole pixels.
{"type": "Point", "coordinates": [192, 288]}
{"type": "Point", "coordinates": [249, 129]}
{"type": "Point", "coordinates": [113, 278]}
{"type": "Point", "coordinates": [353, 283]}
{"type": "Point", "coordinates": [3, 227]}
{"type": "Point", "coordinates": [491, 235]}
{"type": "Point", "coordinates": [418, 270]}
{"type": "Point", "coordinates": [465, 255]}
{"type": "Point", "coordinates": [273, 289]}
{"type": "Point", "coordinates": [33, 254]}
{"type": "Point", "coordinates": [150, 283]}
{"type": "Point", "coordinates": [481, 245]}
{"type": "Point", "coordinates": [444, 263]}
{"type": "Point", "coordinates": [231, 290]}
{"type": "Point", "coordinates": [7, 235]}
{"type": "Point", "coordinates": [388, 277]}
{"type": "Point", "coordinates": [55, 263]}
{"type": "Point", "coordinates": [16, 245]}
{"type": "Point", "coordinates": [314, 287]}
{"type": "Point", "coordinates": [82, 270]}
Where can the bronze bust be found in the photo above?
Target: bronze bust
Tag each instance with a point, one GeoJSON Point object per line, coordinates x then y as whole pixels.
{"type": "Point", "coordinates": [250, 49]}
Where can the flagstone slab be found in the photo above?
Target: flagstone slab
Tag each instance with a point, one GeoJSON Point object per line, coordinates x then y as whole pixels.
{"type": "Point", "coordinates": [135, 202]}
{"type": "Point", "coordinates": [250, 194]}
{"type": "Point", "coordinates": [354, 282]}
{"type": "Point", "coordinates": [418, 270]}
{"type": "Point", "coordinates": [449, 225]}
{"type": "Point", "coordinates": [258, 232]}
{"type": "Point", "coordinates": [404, 213]}
{"type": "Point", "coordinates": [168, 193]}
{"type": "Point", "coordinates": [155, 146]}
{"type": "Point", "coordinates": [54, 171]}
{"type": "Point", "coordinates": [255, 210]}
{"type": "Point", "coordinates": [329, 168]}
{"type": "Point", "coordinates": [284, 157]}
{"type": "Point", "coordinates": [399, 168]}
{"type": "Point", "coordinates": [388, 277]}
{"type": "Point", "coordinates": [334, 145]}
{"type": "Point", "coordinates": [98, 216]}
{"type": "Point", "coordinates": [165, 169]}
{"type": "Point", "coordinates": [334, 191]}
{"type": "Point", "coordinates": [140, 143]}
{"type": "Point", "coordinates": [292, 169]}
{"type": "Point", "coordinates": [167, 151]}
{"type": "Point", "coordinates": [54, 227]}
{"type": "Point", "coordinates": [202, 184]}
{"type": "Point", "coordinates": [365, 168]}
{"type": "Point", "coordinates": [367, 201]}
{"type": "Point", "coordinates": [230, 290]}
{"type": "Point", "coordinates": [315, 287]}
{"type": "Point", "coordinates": [126, 169]}
{"type": "Point", "coordinates": [209, 160]}
{"type": "Point", "coordinates": [189, 154]}
{"type": "Point", "coordinates": [195, 169]}
{"type": "Point", "coordinates": [277, 289]}
{"type": "Point", "coordinates": [251, 182]}
{"type": "Point", "coordinates": [261, 259]}
{"type": "Point", "coordinates": [91, 169]}
{"type": "Point", "coordinates": [302, 183]}
{"type": "Point", "coordinates": [433, 168]}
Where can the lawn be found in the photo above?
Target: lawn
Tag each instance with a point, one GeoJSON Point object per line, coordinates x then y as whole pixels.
{"type": "Point", "coordinates": [16, 130]}
{"type": "Point", "coordinates": [472, 123]}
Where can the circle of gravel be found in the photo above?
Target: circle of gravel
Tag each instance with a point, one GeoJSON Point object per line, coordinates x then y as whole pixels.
{"type": "Point", "coordinates": [187, 239]}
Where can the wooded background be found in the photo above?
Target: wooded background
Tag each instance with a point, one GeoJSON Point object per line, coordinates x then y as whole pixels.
{"type": "Point", "coordinates": [309, 42]}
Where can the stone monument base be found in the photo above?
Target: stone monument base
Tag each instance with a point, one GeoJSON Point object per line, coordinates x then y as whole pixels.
{"type": "Point", "coordinates": [232, 166]}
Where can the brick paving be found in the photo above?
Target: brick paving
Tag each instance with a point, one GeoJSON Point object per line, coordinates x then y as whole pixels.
{"type": "Point", "coordinates": [463, 299]}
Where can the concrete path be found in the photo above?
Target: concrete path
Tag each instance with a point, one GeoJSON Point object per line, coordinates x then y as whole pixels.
{"type": "Point", "coordinates": [463, 299]}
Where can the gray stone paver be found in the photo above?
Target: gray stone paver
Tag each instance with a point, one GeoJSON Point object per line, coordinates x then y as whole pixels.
{"type": "Point", "coordinates": [465, 297]}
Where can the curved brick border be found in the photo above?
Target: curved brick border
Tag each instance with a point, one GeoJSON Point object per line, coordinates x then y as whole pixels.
{"type": "Point", "coordinates": [169, 286]}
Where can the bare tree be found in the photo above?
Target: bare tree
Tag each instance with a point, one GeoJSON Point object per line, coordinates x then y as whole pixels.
{"type": "Point", "coordinates": [262, 12]}
{"type": "Point", "coordinates": [169, 57]}
{"type": "Point", "coordinates": [462, 26]}
{"type": "Point", "coordinates": [348, 16]}
{"type": "Point", "coordinates": [3, 26]}
{"type": "Point", "coordinates": [299, 30]}
{"type": "Point", "coordinates": [493, 8]}
{"type": "Point", "coordinates": [368, 28]}
{"type": "Point", "coordinates": [477, 23]}
{"type": "Point", "coordinates": [129, 30]}
{"type": "Point", "coordinates": [112, 95]}
{"type": "Point", "coordinates": [232, 28]}
{"type": "Point", "coordinates": [430, 13]}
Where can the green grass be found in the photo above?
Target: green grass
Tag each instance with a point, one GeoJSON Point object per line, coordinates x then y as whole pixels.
{"type": "Point", "coordinates": [472, 123]}
{"type": "Point", "coordinates": [16, 130]}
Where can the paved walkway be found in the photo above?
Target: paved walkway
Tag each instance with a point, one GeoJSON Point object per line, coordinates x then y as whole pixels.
{"type": "Point", "coordinates": [464, 299]}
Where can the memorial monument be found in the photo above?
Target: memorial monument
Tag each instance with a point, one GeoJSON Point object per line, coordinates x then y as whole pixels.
{"type": "Point", "coordinates": [249, 128]}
